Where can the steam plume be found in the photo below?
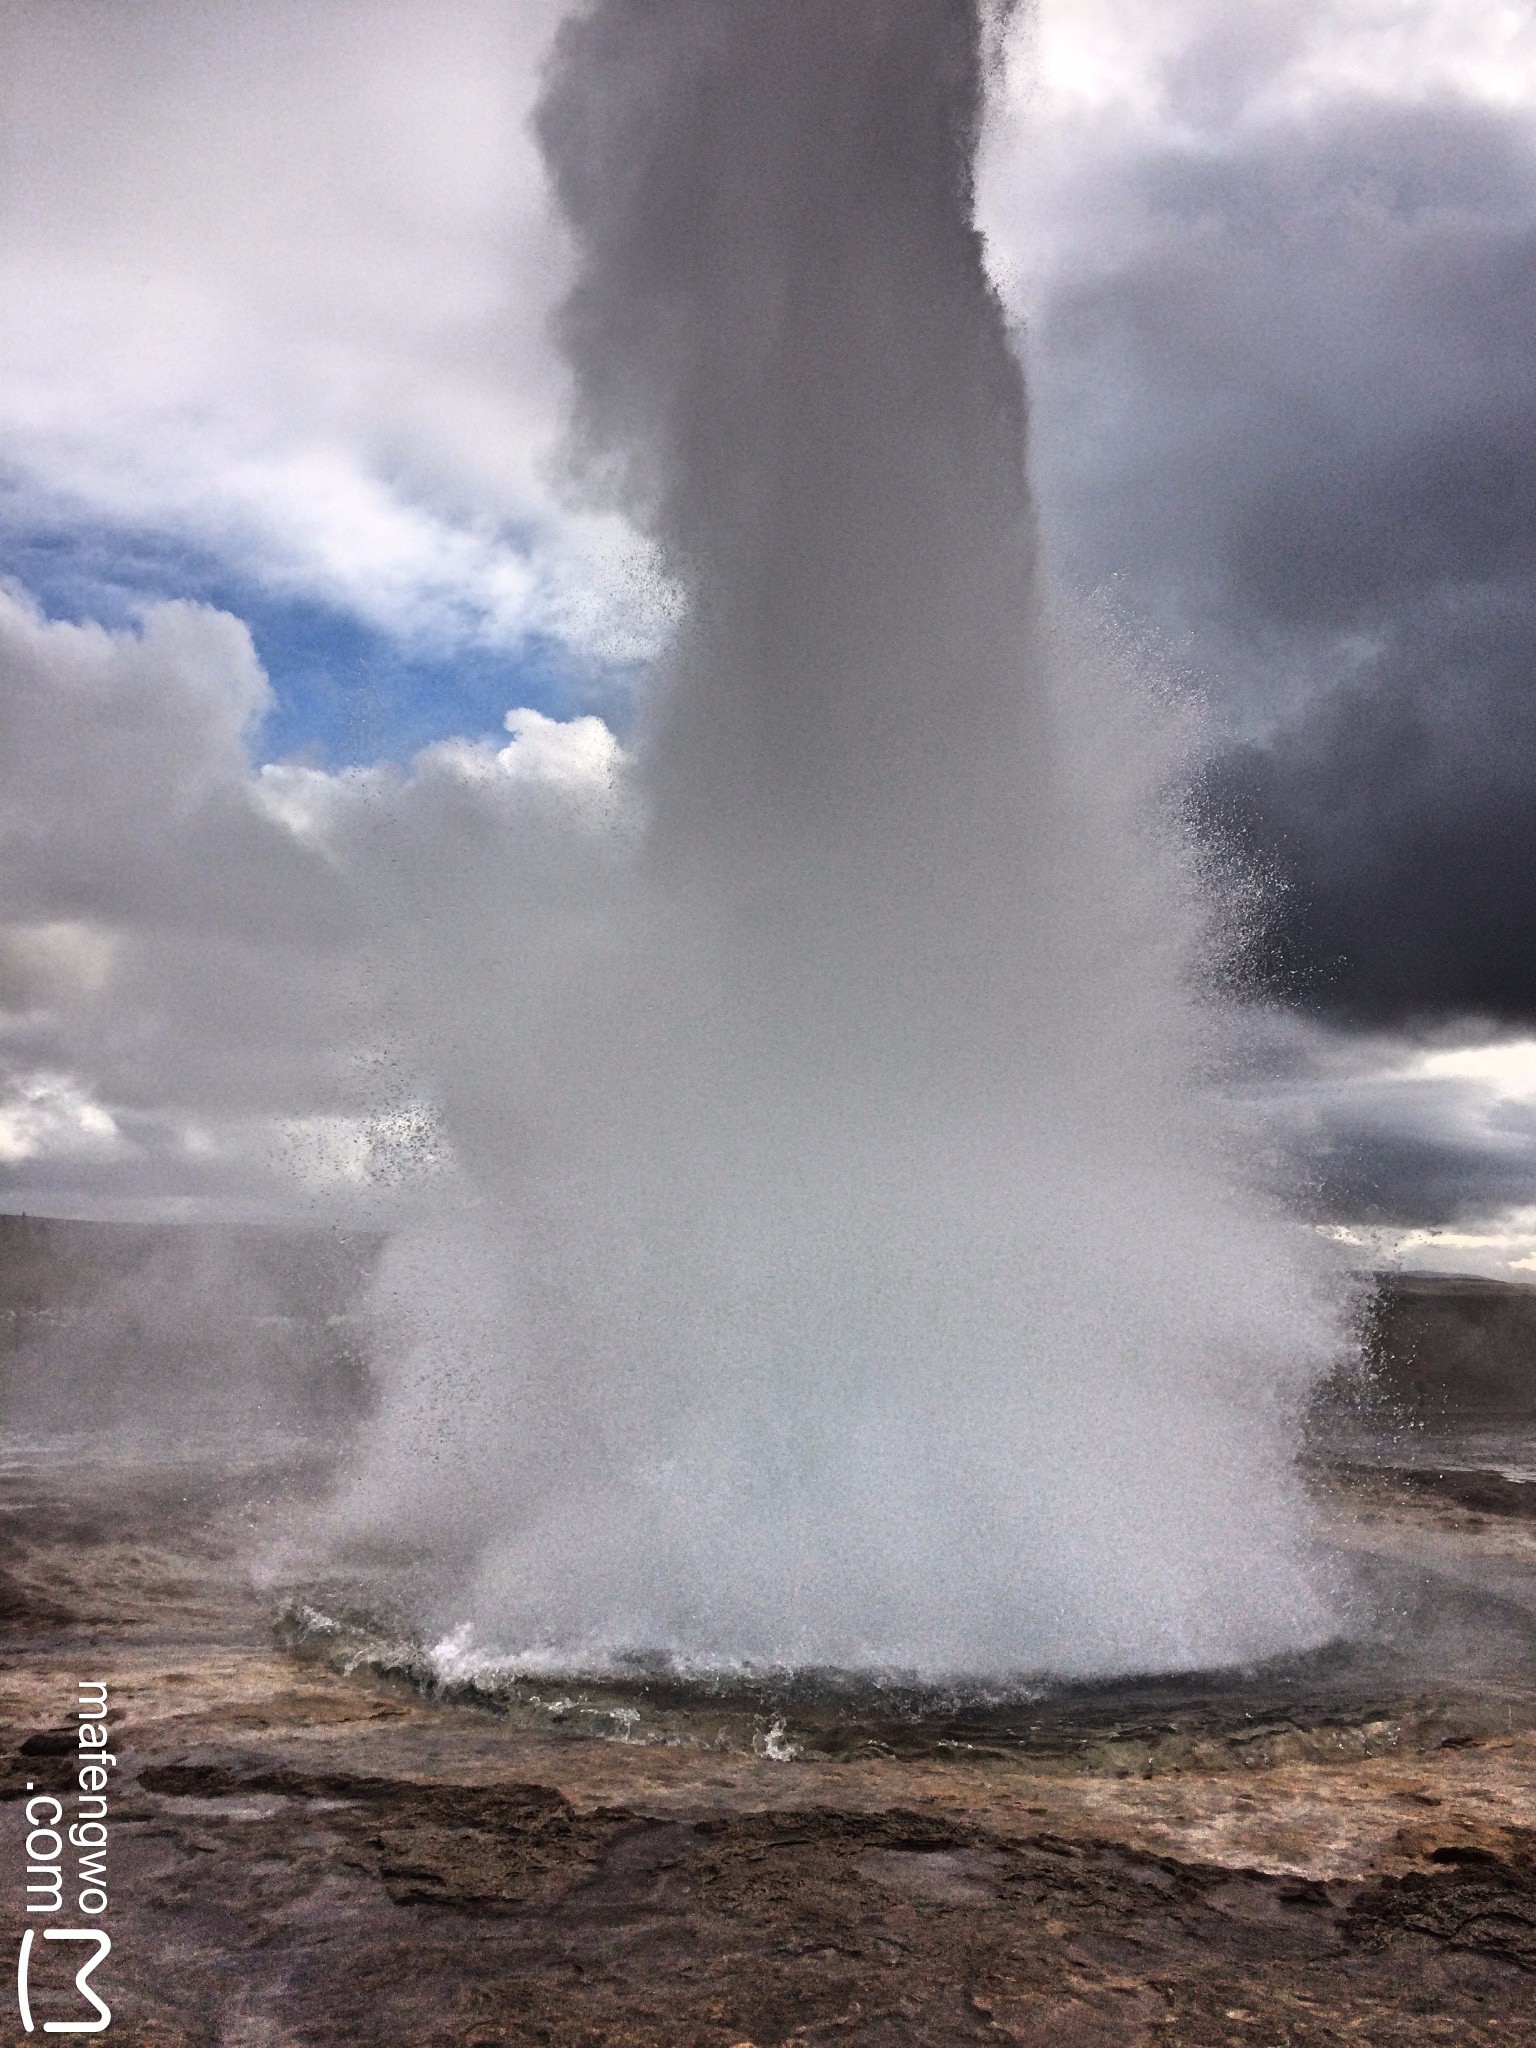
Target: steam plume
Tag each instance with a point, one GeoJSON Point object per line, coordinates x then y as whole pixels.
{"type": "Point", "coordinates": [850, 1267]}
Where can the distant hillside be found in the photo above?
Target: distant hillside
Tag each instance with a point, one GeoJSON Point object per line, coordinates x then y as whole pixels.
{"type": "Point", "coordinates": [162, 1323]}
{"type": "Point", "coordinates": [49, 1262]}
{"type": "Point", "coordinates": [166, 1325]}
{"type": "Point", "coordinates": [1447, 1345]}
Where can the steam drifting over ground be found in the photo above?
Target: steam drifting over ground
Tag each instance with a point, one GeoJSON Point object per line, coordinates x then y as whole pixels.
{"type": "Point", "coordinates": [846, 1262]}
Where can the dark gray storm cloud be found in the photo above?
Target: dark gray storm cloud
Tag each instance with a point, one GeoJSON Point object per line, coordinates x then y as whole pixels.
{"type": "Point", "coordinates": [1400, 810]}
{"type": "Point", "coordinates": [1377, 1137]}
{"type": "Point", "coordinates": [1300, 422]}
{"type": "Point", "coordinates": [1375, 1174]}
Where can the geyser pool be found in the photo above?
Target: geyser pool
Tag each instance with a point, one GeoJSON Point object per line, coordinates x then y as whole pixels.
{"type": "Point", "coordinates": [846, 1263]}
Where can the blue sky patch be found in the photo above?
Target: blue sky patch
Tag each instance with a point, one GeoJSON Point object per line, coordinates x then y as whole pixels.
{"type": "Point", "coordinates": [346, 692]}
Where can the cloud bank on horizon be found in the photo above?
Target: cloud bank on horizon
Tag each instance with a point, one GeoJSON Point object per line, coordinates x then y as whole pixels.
{"type": "Point", "coordinates": [282, 504]}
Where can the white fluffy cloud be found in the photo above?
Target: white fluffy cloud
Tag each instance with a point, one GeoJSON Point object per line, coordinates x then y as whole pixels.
{"type": "Point", "coordinates": [1165, 54]}
{"type": "Point", "coordinates": [275, 283]}
{"type": "Point", "coordinates": [200, 960]}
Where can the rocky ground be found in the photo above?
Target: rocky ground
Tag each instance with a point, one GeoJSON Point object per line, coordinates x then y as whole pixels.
{"type": "Point", "coordinates": [300, 1856]}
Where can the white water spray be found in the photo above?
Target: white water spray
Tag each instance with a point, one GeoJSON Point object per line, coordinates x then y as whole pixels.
{"type": "Point", "coordinates": [848, 1265]}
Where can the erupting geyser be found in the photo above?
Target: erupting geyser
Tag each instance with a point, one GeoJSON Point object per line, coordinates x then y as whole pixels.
{"type": "Point", "coordinates": [846, 1264]}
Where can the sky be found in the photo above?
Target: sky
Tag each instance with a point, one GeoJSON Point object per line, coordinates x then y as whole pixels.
{"type": "Point", "coordinates": [286, 532]}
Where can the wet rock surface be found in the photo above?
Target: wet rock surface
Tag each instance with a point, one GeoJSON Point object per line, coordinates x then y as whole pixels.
{"type": "Point", "coordinates": [301, 1855]}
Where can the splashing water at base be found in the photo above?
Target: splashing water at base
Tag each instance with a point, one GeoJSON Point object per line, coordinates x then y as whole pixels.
{"type": "Point", "coordinates": [848, 1264]}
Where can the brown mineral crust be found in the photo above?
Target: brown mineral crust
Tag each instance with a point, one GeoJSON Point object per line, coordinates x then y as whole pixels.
{"type": "Point", "coordinates": [1408, 1488]}
{"type": "Point", "coordinates": [304, 1857]}
{"type": "Point", "coordinates": [514, 1919]}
